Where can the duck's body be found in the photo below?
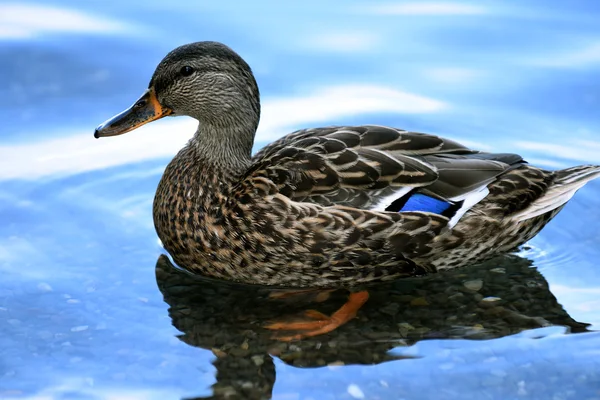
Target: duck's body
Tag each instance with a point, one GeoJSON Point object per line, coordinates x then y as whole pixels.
{"type": "Point", "coordinates": [309, 209]}
{"type": "Point", "coordinates": [327, 207]}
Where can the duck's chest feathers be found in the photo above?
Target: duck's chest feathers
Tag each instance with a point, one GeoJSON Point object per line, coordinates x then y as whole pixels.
{"type": "Point", "coordinates": [190, 210]}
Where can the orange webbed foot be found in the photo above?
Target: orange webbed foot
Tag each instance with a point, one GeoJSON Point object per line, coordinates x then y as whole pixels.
{"type": "Point", "coordinates": [320, 323]}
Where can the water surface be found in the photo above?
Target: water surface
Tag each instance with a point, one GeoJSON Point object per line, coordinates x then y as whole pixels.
{"type": "Point", "coordinates": [88, 310]}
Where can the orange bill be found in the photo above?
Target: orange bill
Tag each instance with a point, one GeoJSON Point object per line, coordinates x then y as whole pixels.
{"type": "Point", "coordinates": [146, 109]}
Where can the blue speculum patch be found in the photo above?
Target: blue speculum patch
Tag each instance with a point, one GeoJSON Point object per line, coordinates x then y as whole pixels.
{"type": "Point", "coordinates": [422, 202]}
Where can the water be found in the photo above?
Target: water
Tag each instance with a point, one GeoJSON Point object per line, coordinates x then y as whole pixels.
{"type": "Point", "coordinates": [86, 315]}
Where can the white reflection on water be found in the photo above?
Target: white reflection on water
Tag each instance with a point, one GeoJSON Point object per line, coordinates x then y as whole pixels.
{"type": "Point", "coordinates": [25, 21]}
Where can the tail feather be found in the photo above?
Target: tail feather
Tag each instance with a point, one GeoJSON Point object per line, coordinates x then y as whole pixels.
{"type": "Point", "coordinates": [581, 173]}
{"type": "Point", "coordinates": [566, 183]}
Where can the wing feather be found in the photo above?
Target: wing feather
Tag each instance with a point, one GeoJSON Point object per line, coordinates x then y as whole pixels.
{"type": "Point", "coordinates": [370, 166]}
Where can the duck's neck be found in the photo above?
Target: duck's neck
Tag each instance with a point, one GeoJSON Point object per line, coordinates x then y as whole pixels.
{"type": "Point", "coordinates": [224, 150]}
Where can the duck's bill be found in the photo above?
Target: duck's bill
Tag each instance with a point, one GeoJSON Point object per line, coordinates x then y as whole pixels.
{"type": "Point", "coordinates": [145, 109]}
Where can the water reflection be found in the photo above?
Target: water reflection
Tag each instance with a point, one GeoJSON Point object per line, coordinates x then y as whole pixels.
{"type": "Point", "coordinates": [501, 297]}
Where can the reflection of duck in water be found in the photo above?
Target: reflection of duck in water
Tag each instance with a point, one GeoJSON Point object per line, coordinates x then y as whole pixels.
{"type": "Point", "coordinates": [330, 207]}
{"type": "Point", "coordinates": [502, 297]}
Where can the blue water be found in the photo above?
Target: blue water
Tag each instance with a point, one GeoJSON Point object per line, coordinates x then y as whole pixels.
{"type": "Point", "coordinates": [83, 315]}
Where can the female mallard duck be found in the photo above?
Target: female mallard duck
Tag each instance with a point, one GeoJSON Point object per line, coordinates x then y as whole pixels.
{"type": "Point", "coordinates": [326, 207]}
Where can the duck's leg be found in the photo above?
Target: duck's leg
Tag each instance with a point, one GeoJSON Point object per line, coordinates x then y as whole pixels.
{"type": "Point", "coordinates": [321, 323]}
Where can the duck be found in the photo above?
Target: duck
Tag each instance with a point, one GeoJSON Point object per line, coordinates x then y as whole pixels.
{"type": "Point", "coordinates": [338, 207]}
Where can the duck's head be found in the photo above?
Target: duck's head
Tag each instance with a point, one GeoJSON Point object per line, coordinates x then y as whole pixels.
{"type": "Point", "coordinates": [204, 80]}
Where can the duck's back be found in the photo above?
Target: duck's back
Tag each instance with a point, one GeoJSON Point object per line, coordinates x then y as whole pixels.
{"type": "Point", "coordinates": [379, 168]}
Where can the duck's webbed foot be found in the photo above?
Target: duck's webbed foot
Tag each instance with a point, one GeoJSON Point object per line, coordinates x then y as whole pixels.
{"type": "Point", "coordinates": [319, 323]}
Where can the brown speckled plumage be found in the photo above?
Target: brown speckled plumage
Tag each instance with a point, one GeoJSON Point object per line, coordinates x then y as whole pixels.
{"type": "Point", "coordinates": [317, 207]}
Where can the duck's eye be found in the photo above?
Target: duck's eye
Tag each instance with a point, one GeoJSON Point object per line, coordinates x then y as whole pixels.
{"type": "Point", "coordinates": [186, 71]}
